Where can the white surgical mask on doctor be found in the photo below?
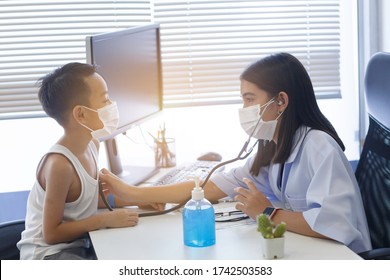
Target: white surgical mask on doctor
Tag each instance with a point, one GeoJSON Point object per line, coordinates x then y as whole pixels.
{"type": "Point", "coordinates": [253, 124]}
{"type": "Point", "coordinates": [109, 116]}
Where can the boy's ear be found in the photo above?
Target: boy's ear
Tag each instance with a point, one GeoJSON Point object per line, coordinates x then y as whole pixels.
{"type": "Point", "coordinates": [78, 113]}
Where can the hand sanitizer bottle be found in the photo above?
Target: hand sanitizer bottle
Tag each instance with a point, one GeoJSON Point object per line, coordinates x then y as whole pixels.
{"type": "Point", "coordinates": [198, 219]}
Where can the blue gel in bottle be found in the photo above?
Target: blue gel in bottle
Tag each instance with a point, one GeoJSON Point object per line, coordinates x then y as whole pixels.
{"type": "Point", "coordinates": [198, 220]}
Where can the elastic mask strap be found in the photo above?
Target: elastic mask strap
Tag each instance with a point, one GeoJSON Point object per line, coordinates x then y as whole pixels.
{"type": "Point", "coordinates": [266, 106]}
{"type": "Point", "coordinates": [86, 127]}
{"type": "Point", "coordinates": [90, 110]}
{"type": "Point", "coordinates": [279, 115]}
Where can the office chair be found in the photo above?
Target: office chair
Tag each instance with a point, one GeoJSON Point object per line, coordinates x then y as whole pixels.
{"type": "Point", "coordinates": [373, 169]}
{"type": "Point", "coordinates": [10, 234]}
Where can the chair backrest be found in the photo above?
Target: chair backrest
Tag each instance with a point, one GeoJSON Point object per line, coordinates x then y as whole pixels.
{"type": "Point", "coordinates": [377, 87]}
{"type": "Point", "coordinates": [10, 234]}
{"type": "Point", "coordinates": [373, 170]}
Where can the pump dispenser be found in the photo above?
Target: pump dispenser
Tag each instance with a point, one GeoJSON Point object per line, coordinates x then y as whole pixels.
{"type": "Point", "coordinates": [198, 219]}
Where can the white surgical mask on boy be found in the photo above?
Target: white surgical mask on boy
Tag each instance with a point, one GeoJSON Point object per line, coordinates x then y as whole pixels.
{"type": "Point", "coordinates": [109, 116]}
{"type": "Point", "coordinates": [253, 124]}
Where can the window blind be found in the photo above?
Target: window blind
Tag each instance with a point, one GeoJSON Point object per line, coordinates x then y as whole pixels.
{"type": "Point", "coordinates": [206, 44]}
{"type": "Point", "coordinates": [38, 36]}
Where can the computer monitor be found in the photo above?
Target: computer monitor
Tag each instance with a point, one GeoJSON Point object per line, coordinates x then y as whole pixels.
{"type": "Point", "coordinates": [130, 62]}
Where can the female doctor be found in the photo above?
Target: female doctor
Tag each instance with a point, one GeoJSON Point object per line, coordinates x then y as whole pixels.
{"type": "Point", "coordinates": [299, 174]}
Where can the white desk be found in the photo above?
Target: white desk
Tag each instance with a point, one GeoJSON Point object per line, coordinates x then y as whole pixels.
{"type": "Point", "coordinates": [161, 238]}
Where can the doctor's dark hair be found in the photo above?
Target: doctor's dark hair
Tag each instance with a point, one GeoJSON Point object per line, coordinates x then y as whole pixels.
{"type": "Point", "coordinates": [284, 72]}
{"type": "Point", "coordinates": [65, 88]}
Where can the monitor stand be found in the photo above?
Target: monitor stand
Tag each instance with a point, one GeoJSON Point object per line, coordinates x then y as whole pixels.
{"type": "Point", "coordinates": [133, 175]}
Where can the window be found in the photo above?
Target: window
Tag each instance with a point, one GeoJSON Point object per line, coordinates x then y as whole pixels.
{"type": "Point", "coordinates": [38, 36]}
{"type": "Point", "coordinates": [205, 44]}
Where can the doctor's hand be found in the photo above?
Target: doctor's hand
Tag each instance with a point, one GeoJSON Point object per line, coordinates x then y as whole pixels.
{"type": "Point", "coordinates": [251, 201]}
{"type": "Point", "coordinates": [114, 185]}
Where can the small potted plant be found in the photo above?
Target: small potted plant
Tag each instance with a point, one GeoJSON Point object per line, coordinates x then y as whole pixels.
{"type": "Point", "coordinates": [272, 237]}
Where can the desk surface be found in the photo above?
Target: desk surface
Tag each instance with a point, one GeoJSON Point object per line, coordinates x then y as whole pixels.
{"type": "Point", "coordinates": [161, 238]}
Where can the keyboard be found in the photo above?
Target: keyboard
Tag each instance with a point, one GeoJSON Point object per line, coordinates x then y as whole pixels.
{"type": "Point", "coordinates": [198, 168]}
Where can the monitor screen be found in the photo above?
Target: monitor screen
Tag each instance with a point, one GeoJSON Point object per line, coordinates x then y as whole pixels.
{"type": "Point", "coordinates": [130, 62]}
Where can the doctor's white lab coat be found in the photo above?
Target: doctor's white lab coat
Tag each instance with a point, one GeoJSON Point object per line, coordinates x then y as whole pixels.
{"type": "Point", "coordinates": [317, 180]}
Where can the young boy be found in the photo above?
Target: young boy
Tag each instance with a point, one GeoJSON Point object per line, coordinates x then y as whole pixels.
{"type": "Point", "coordinates": [62, 205]}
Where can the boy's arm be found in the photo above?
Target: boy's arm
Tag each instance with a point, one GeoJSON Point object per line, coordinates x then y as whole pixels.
{"type": "Point", "coordinates": [59, 180]}
{"type": "Point", "coordinates": [57, 175]}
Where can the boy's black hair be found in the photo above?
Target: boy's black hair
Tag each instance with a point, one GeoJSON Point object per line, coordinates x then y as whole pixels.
{"type": "Point", "coordinates": [65, 88]}
{"type": "Point", "coordinates": [284, 72]}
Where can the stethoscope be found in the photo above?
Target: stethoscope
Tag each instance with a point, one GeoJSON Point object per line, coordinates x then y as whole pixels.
{"type": "Point", "coordinates": [243, 154]}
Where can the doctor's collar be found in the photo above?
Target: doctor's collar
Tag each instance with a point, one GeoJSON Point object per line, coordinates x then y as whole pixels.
{"type": "Point", "coordinates": [299, 137]}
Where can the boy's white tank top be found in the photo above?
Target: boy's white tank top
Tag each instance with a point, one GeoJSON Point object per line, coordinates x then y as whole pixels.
{"type": "Point", "coordinates": [32, 244]}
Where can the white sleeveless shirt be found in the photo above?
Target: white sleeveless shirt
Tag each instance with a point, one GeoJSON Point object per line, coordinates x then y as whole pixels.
{"type": "Point", "coordinates": [32, 244]}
